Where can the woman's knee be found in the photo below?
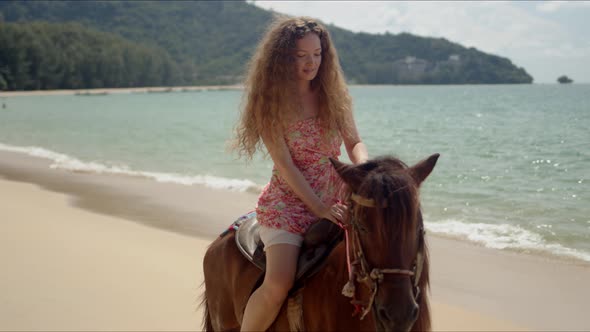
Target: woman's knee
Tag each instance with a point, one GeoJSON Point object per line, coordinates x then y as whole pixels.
{"type": "Point", "coordinates": [281, 265]}
{"type": "Point", "coordinates": [276, 290]}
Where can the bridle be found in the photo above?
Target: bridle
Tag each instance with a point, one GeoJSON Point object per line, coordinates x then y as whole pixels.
{"type": "Point", "coordinates": [358, 267]}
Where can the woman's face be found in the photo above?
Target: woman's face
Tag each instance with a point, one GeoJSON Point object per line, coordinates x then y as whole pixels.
{"type": "Point", "coordinates": [308, 56]}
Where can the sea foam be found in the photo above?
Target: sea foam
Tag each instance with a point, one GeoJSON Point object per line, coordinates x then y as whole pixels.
{"type": "Point", "coordinates": [73, 164]}
{"type": "Point", "coordinates": [503, 236]}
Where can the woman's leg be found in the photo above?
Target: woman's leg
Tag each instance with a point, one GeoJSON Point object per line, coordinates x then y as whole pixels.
{"type": "Point", "coordinates": [265, 303]}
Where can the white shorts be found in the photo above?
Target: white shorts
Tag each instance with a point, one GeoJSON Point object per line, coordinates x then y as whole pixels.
{"type": "Point", "coordinates": [271, 236]}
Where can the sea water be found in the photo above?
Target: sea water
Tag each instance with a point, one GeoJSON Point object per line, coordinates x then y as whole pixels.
{"type": "Point", "coordinates": [514, 171]}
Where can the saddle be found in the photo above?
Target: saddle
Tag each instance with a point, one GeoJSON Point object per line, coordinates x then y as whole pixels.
{"type": "Point", "coordinates": [318, 242]}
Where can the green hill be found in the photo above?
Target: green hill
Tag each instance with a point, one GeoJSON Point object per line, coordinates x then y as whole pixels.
{"type": "Point", "coordinates": [207, 42]}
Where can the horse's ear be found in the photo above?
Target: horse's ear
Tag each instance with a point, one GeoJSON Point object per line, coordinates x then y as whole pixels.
{"type": "Point", "coordinates": [353, 175]}
{"type": "Point", "coordinates": [422, 169]}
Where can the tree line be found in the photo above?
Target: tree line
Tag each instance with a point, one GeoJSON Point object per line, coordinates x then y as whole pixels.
{"type": "Point", "coordinates": [41, 56]}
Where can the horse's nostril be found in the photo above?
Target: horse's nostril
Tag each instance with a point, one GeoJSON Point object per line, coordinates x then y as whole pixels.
{"type": "Point", "coordinates": [384, 314]}
{"type": "Point", "coordinates": [387, 316]}
{"type": "Point", "coordinates": [415, 312]}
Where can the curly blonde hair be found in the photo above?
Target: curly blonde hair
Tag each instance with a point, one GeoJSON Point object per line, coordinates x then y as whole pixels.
{"type": "Point", "coordinates": [270, 95]}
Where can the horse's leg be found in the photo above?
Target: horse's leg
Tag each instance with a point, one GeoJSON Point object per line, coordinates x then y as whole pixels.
{"type": "Point", "coordinates": [218, 296]}
{"type": "Point", "coordinates": [229, 279]}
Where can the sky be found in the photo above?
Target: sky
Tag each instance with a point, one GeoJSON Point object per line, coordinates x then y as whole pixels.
{"type": "Point", "coordinates": [547, 38]}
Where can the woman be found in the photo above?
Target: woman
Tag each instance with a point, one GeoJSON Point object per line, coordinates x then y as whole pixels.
{"type": "Point", "coordinates": [297, 105]}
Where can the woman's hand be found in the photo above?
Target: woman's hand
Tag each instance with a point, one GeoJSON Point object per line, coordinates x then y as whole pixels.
{"type": "Point", "coordinates": [336, 213]}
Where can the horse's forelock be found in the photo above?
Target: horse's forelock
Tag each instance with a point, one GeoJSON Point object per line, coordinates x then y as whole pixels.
{"type": "Point", "coordinates": [391, 186]}
{"type": "Point", "coordinates": [389, 164]}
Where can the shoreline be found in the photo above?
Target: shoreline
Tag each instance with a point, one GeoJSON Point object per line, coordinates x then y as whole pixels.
{"type": "Point", "coordinates": [167, 206]}
{"type": "Point", "coordinates": [108, 91]}
{"type": "Point", "coordinates": [479, 288]}
{"type": "Point", "coordinates": [193, 88]}
{"type": "Point", "coordinates": [131, 179]}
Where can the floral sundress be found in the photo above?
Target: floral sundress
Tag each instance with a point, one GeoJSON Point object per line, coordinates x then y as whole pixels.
{"type": "Point", "coordinates": [278, 206]}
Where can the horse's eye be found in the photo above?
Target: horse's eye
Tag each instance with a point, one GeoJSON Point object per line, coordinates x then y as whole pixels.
{"type": "Point", "coordinates": [361, 227]}
{"type": "Point", "coordinates": [365, 229]}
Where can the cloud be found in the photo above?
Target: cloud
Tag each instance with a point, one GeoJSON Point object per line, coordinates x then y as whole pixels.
{"type": "Point", "coordinates": [504, 28]}
{"type": "Point", "coordinates": [552, 6]}
{"type": "Point", "coordinates": [567, 51]}
{"type": "Point", "coordinates": [549, 6]}
{"type": "Point", "coordinates": [343, 14]}
{"type": "Point", "coordinates": [491, 27]}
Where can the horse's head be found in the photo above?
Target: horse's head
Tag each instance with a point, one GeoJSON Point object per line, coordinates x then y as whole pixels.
{"type": "Point", "coordinates": [387, 229]}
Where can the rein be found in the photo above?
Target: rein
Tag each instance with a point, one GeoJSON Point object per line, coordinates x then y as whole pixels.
{"type": "Point", "coordinates": [359, 267]}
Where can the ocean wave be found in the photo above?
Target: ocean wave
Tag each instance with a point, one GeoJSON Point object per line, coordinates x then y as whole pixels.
{"type": "Point", "coordinates": [73, 164]}
{"type": "Point", "coordinates": [503, 236]}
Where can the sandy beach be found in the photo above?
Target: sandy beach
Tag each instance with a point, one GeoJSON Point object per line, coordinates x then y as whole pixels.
{"type": "Point", "coordinates": [100, 252]}
{"type": "Point", "coordinates": [107, 91]}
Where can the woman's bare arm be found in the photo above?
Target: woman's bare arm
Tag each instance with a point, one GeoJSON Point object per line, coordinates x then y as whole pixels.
{"type": "Point", "coordinates": [356, 149]}
{"type": "Point", "coordinates": [283, 161]}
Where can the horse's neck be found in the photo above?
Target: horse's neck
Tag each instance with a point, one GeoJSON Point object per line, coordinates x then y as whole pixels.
{"type": "Point", "coordinates": [337, 268]}
{"type": "Point", "coordinates": [326, 290]}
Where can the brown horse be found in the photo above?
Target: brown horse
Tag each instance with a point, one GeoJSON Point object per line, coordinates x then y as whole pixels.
{"type": "Point", "coordinates": [387, 250]}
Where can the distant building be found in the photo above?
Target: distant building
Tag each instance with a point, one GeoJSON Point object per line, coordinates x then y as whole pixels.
{"type": "Point", "coordinates": [410, 68]}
